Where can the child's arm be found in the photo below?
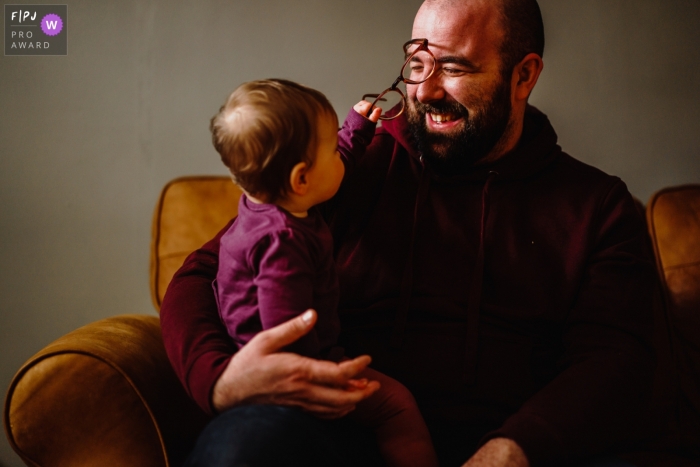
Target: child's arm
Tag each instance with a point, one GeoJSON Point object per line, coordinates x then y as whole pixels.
{"type": "Point", "coordinates": [392, 412]}
{"type": "Point", "coordinates": [285, 285]}
{"type": "Point", "coordinates": [357, 132]}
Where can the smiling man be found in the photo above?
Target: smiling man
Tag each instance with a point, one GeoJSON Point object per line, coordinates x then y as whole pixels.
{"type": "Point", "coordinates": [505, 283]}
{"type": "Point", "coordinates": [472, 111]}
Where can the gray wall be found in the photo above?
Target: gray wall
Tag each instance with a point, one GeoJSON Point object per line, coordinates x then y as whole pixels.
{"type": "Point", "coordinates": [87, 140]}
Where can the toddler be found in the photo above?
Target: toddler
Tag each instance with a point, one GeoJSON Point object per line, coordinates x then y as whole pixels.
{"type": "Point", "coordinates": [280, 141]}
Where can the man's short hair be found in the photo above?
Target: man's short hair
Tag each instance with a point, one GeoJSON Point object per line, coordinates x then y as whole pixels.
{"type": "Point", "coordinates": [264, 129]}
{"type": "Point", "coordinates": [524, 32]}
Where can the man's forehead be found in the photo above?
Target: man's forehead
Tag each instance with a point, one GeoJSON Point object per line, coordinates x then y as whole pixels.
{"type": "Point", "coordinates": [447, 24]}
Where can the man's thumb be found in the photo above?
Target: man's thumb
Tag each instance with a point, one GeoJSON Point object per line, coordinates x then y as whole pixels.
{"type": "Point", "coordinates": [273, 339]}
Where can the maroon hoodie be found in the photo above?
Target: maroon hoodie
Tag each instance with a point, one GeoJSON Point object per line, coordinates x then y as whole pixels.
{"type": "Point", "coordinates": [515, 298]}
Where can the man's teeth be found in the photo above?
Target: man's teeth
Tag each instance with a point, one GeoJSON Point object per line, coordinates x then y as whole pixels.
{"type": "Point", "coordinates": [437, 118]}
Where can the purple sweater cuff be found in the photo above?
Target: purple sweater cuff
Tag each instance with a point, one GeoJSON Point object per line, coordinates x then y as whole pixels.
{"type": "Point", "coordinates": [357, 122]}
{"type": "Point", "coordinates": [355, 135]}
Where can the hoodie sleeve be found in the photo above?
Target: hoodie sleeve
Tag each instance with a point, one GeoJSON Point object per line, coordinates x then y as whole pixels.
{"type": "Point", "coordinates": [353, 138]}
{"type": "Point", "coordinates": [601, 394]}
{"type": "Point", "coordinates": [195, 339]}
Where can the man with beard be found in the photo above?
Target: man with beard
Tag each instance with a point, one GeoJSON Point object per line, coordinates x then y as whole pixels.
{"type": "Point", "coordinates": [503, 282]}
{"type": "Point", "coordinates": [477, 138]}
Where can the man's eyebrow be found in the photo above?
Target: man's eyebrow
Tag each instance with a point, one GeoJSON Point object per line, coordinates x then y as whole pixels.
{"type": "Point", "coordinates": [458, 60]}
{"type": "Point", "coordinates": [466, 63]}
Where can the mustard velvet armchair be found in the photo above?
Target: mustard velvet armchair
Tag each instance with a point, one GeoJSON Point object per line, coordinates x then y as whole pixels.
{"type": "Point", "coordinates": [105, 394]}
{"type": "Point", "coordinates": [673, 219]}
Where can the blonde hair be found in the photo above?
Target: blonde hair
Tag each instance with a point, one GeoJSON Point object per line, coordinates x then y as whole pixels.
{"type": "Point", "coordinates": [264, 129]}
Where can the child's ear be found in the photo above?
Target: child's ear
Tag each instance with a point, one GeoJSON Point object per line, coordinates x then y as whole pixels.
{"type": "Point", "coordinates": [297, 179]}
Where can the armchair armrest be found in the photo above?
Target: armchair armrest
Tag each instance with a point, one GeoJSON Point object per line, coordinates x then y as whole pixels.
{"type": "Point", "coordinates": [104, 394]}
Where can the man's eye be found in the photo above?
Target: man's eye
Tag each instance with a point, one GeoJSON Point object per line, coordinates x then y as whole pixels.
{"type": "Point", "coordinates": [452, 71]}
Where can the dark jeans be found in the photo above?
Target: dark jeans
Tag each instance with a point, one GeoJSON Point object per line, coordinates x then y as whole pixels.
{"type": "Point", "coordinates": [273, 436]}
{"type": "Point", "coordinates": [607, 462]}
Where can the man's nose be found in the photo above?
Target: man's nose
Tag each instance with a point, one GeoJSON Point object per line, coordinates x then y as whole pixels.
{"type": "Point", "coordinates": [431, 90]}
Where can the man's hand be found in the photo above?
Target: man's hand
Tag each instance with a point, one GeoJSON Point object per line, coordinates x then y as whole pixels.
{"type": "Point", "coordinates": [257, 374]}
{"type": "Point", "coordinates": [499, 452]}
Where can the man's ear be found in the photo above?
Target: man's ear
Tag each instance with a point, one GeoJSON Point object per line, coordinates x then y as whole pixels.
{"type": "Point", "coordinates": [525, 75]}
{"type": "Point", "coordinates": [297, 179]}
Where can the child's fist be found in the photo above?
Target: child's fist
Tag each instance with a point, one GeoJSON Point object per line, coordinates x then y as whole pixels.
{"type": "Point", "coordinates": [363, 108]}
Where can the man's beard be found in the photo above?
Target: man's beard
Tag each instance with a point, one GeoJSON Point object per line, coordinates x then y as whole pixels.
{"type": "Point", "coordinates": [457, 152]}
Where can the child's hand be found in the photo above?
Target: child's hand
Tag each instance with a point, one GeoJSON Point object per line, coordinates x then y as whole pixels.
{"type": "Point", "coordinates": [363, 107]}
{"type": "Point", "coordinates": [353, 384]}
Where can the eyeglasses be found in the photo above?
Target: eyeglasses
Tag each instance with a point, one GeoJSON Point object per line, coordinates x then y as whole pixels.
{"type": "Point", "coordinates": [418, 67]}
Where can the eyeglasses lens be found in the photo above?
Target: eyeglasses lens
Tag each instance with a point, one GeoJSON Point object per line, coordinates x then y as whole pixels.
{"type": "Point", "coordinates": [419, 66]}
{"type": "Point", "coordinates": [391, 103]}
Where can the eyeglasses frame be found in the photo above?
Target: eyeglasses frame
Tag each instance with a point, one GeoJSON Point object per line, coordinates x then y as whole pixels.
{"type": "Point", "coordinates": [422, 45]}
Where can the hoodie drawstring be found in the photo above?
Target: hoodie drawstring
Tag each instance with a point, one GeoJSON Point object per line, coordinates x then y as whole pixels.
{"type": "Point", "coordinates": [474, 299]}
{"type": "Point", "coordinates": [407, 278]}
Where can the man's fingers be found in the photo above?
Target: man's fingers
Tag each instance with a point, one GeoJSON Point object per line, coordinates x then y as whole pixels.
{"type": "Point", "coordinates": [338, 398]}
{"type": "Point", "coordinates": [348, 369]}
{"type": "Point", "coordinates": [326, 373]}
{"type": "Point", "coordinates": [273, 339]}
{"type": "Point", "coordinates": [328, 402]}
{"type": "Point", "coordinates": [357, 383]}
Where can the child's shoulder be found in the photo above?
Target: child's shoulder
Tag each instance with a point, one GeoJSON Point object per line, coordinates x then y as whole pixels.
{"type": "Point", "coordinates": [271, 239]}
{"type": "Point", "coordinates": [265, 223]}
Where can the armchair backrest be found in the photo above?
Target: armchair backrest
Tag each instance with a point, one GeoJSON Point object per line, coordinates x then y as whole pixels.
{"type": "Point", "coordinates": [673, 217]}
{"type": "Point", "coordinates": [189, 212]}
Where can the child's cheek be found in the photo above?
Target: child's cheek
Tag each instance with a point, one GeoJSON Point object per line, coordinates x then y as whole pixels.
{"type": "Point", "coordinates": [341, 171]}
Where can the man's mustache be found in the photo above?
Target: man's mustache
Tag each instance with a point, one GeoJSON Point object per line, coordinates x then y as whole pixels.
{"type": "Point", "coordinates": [441, 107]}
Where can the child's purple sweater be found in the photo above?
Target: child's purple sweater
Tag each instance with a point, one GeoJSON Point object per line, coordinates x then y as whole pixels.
{"type": "Point", "coordinates": [274, 266]}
